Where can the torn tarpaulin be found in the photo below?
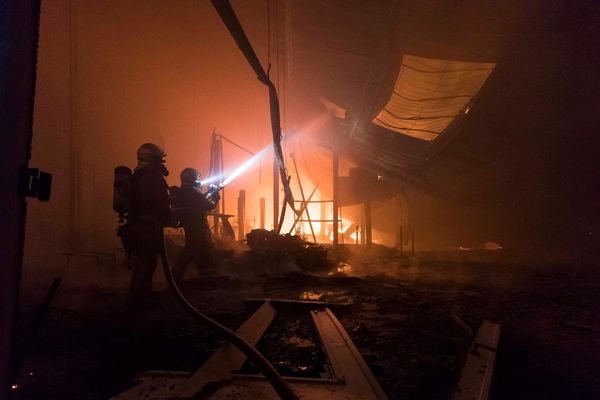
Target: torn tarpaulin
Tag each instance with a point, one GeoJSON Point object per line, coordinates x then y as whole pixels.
{"type": "Point", "coordinates": [232, 23]}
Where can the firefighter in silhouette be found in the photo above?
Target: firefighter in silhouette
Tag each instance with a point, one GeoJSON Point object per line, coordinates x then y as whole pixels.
{"type": "Point", "coordinates": [150, 211]}
{"type": "Point", "coordinates": [191, 206]}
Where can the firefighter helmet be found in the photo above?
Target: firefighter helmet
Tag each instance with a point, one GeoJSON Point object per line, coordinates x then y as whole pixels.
{"type": "Point", "coordinates": [190, 177]}
{"type": "Point", "coordinates": [150, 154]}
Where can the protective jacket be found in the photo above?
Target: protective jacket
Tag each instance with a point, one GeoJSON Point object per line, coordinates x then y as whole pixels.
{"type": "Point", "coordinates": [149, 212]}
{"type": "Point", "coordinates": [149, 197]}
{"type": "Point", "coordinates": [192, 207]}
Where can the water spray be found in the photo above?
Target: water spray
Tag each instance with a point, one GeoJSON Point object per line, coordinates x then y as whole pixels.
{"type": "Point", "coordinates": [247, 165]}
{"type": "Point", "coordinates": [211, 181]}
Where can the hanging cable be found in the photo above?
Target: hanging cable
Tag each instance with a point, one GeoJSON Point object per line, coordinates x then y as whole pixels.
{"type": "Point", "coordinates": [269, 38]}
{"type": "Point", "coordinates": [277, 55]}
{"type": "Point", "coordinates": [268, 63]}
{"type": "Point", "coordinates": [277, 42]}
{"type": "Point", "coordinates": [225, 11]}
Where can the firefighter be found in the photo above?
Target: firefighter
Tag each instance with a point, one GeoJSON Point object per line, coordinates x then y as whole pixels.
{"type": "Point", "coordinates": [150, 211]}
{"type": "Point", "coordinates": [191, 207]}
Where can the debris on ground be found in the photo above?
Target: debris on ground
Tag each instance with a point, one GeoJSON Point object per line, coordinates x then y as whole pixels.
{"type": "Point", "coordinates": [411, 325]}
{"type": "Point", "coordinates": [268, 247]}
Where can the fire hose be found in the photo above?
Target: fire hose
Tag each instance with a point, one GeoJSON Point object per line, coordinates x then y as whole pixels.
{"type": "Point", "coordinates": [284, 391]}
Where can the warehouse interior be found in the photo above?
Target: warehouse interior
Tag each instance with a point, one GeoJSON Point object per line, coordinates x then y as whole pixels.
{"type": "Point", "coordinates": [420, 168]}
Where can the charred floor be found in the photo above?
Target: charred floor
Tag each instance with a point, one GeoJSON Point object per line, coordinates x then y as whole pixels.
{"type": "Point", "coordinates": [411, 319]}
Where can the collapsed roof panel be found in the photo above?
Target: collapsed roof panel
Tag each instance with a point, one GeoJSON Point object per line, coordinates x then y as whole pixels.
{"type": "Point", "coordinates": [429, 94]}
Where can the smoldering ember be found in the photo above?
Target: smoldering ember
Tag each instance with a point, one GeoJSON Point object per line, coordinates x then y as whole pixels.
{"type": "Point", "coordinates": [279, 199]}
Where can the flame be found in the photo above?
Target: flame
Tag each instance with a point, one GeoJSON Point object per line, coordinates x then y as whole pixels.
{"type": "Point", "coordinates": [324, 230]}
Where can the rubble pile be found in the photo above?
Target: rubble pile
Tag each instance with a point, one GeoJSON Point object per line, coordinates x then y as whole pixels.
{"type": "Point", "coordinates": [268, 247]}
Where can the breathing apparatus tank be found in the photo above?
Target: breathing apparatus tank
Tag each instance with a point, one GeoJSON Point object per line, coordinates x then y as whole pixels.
{"type": "Point", "coordinates": [121, 191]}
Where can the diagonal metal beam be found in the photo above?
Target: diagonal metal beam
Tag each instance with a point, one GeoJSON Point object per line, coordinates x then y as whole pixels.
{"type": "Point", "coordinates": [303, 207]}
{"type": "Point", "coordinates": [303, 198]}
